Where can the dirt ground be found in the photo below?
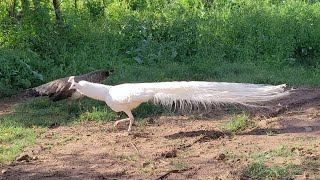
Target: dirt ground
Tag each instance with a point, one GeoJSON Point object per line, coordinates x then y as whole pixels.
{"type": "Point", "coordinates": [174, 147]}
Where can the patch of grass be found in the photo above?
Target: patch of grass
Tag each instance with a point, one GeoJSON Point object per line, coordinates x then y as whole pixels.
{"type": "Point", "coordinates": [237, 123]}
{"type": "Point", "coordinates": [312, 163]}
{"type": "Point", "coordinates": [98, 114]}
{"type": "Point", "coordinates": [178, 164]}
{"type": "Point", "coordinates": [20, 128]}
{"type": "Point", "coordinates": [148, 166]}
{"type": "Point", "coordinates": [126, 158]}
{"type": "Point", "coordinates": [13, 140]}
{"type": "Point", "coordinates": [259, 171]}
{"type": "Point", "coordinates": [230, 154]}
{"type": "Point", "coordinates": [281, 151]}
{"type": "Point", "coordinates": [39, 112]}
{"type": "Point", "coordinates": [141, 123]}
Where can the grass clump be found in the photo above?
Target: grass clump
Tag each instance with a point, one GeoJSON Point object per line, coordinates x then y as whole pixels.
{"type": "Point", "coordinates": [126, 158]}
{"type": "Point", "coordinates": [178, 164]}
{"type": "Point", "coordinates": [13, 140]}
{"type": "Point", "coordinates": [281, 151]}
{"type": "Point", "coordinates": [237, 123]}
{"type": "Point", "coordinates": [98, 114]}
{"type": "Point", "coordinates": [260, 171]}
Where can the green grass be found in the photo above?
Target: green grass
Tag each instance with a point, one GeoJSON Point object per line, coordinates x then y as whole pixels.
{"type": "Point", "coordinates": [13, 140]}
{"type": "Point", "coordinates": [281, 151]}
{"type": "Point", "coordinates": [126, 158]}
{"type": "Point", "coordinates": [101, 114]}
{"type": "Point", "coordinates": [237, 123]}
{"type": "Point", "coordinates": [178, 164]}
{"type": "Point", "coordinates": [261, 171]}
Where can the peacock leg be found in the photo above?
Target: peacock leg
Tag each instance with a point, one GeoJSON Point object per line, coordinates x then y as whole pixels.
{"type": "Point", "coordinates": [130, 118]}
{"type": "Point", "coordinates": [79, 104]}
{"type": "Point", "coordinates": [69, 106]}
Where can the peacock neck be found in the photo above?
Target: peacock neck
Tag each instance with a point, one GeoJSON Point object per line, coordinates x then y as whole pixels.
{"type": "Point", "coordinates": [94, 90]}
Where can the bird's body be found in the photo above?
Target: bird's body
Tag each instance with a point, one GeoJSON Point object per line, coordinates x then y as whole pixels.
{"type": "Point", "coordinates": [125, 97]}
{"type": "Point", "coordinates": [60, 89]}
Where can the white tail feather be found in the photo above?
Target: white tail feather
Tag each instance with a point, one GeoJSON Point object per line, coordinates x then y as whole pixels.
{"type": "Point", "coordinates": [195, 94]}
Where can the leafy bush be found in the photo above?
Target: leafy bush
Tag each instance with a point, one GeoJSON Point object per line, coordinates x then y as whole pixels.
{"type": "Point", "coordinates": [17, 71]}
{"type": "Point", "coordinates": [95, 9]}
{"type": "Point", "coordinates": [183, 39]}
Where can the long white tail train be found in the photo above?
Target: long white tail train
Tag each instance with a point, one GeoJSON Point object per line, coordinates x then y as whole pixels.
{"type": "Point", "coordinates": [125, 97]}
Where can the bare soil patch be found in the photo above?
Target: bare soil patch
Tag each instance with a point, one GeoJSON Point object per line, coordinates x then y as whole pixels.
{"type": "Point", "coordinates": [176, 147]}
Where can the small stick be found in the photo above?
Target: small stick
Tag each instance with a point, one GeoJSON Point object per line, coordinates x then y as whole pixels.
{"type": "Point", "coordinates": [135, 147]}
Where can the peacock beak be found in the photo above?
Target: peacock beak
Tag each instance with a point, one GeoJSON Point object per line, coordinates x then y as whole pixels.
{"type": "Point", "coordinates": [71, 80]}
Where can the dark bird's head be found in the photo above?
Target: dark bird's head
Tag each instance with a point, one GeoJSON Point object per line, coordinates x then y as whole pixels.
{"type": "Point", "coordinates": [107, 73]}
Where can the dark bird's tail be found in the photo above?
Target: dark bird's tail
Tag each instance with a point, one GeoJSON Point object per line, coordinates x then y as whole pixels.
{"type": "Point", "coordinates": [59, 89]}
{"type": "Point", "coordinates": [95, 76]}
{"type": "Point", "coordinates": [28, 93]}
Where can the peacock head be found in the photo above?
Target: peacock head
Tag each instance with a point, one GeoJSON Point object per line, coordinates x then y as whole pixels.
{"type": "Point", "coordinates": [73, 85]}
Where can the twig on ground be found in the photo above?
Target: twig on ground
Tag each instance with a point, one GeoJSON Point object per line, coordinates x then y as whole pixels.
{"type": "Point", "coordinates": [135, 147]}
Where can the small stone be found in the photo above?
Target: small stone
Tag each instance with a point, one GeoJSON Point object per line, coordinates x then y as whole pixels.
{"type": "Point", "coordinates": [3, 171]}
{"type": "Point", "coordinates": [150, 120]}
{"type": "Point", "coordinates": [24, 157]}
{"type": "Point", "coordinates": [221, 157]}
{"type": "Point", "coordinates": [169, 154]}
{"type": "Point", "coordinates": [308, 129]}
{"type": "Point", "coordinates": [94, 166]}
{"type": "Point", "coordinates": [145, 164]}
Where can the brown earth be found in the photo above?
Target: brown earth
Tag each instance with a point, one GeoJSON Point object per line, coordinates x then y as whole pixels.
{"type": "Point", "coordinates": [176, 147]}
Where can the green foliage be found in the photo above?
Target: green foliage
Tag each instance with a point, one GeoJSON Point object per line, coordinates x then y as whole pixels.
{"type": "Point", "coordinates": [18, 70]}
{"type": "Point", "coordinates": [266, 41]}
{"type": "Point", "coordinates": [40, 113]}
{"type": "Point", "coordinates": [98, 114]}
{"type": "Point", "coordinates": [95, 9]}
{"type": "Point", "coordinates": [260, 171]}
{"type": "Point", "coordinates": [237, 123]}
{"type": "Point", "coordinates": [243, 41]}
{"type": "Point", "coordinates": [13, 140]}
